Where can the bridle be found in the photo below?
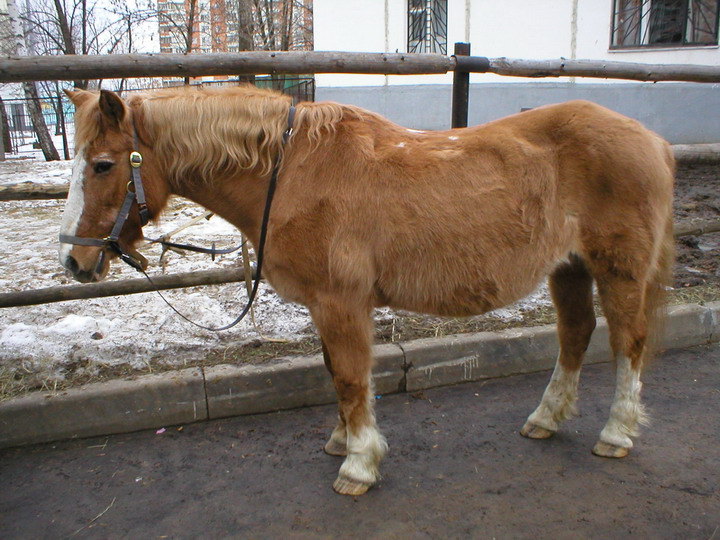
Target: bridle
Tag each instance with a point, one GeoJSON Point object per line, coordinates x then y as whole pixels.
{"type": "Point", "coordinates": [136, 193]}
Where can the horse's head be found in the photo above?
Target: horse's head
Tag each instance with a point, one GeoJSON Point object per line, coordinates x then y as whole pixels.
{"type": "Point", "coordinates": [101, 179]}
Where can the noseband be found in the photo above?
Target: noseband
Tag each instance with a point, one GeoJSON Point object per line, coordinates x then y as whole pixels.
{"type": "Point", "coordinates": [136, 192]}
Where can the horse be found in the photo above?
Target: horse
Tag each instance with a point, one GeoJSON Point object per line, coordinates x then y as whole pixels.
{"type": "Point", "coordinates": [367, 213]}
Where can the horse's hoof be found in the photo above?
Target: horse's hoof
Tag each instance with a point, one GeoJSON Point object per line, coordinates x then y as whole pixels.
{"type": "Point", "coordinates": [347, 486]}
{"type": "Point", "coordinates": [604, 449]}
{"type": "Point", "coordinates": [335, 448]}
{"type": "Point", "coordinates": [531, 431]}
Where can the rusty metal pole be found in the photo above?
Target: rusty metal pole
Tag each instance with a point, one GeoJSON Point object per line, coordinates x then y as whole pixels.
{"type": "Point", "coordinates": [61, 118]}
{"type": "Point", "coordinates": [461, 90]}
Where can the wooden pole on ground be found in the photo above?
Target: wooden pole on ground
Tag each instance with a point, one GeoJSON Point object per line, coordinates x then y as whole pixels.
{"type": "Point", "coordinates": [24, 191]}
{"type": "Point", "coordinates": [118, 288]}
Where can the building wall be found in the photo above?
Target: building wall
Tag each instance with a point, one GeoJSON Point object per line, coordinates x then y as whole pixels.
{"type": "Point", "coordinates": [678, 112]}
{"type": "Point", "coordinates": [537, 29]}
{"type": "Point", "coordinates": [541, 29]}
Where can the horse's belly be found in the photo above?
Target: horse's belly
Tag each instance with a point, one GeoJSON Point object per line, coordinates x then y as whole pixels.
{"type": "Point", "coordinates": [471, 285]}
{"type": "Point", "coordinates": [447, 296]}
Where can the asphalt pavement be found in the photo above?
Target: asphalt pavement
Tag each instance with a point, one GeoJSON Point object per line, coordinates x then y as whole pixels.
{"type": "Point", "coordinates": [457, 467]}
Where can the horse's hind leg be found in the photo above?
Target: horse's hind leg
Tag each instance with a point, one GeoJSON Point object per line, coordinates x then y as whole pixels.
{"type": "Point", "coordinates": [346, 333]}
{"type": "Point", "coordinates": [571, 290]}
{"type": "Point", "coordinates": [623, 299]}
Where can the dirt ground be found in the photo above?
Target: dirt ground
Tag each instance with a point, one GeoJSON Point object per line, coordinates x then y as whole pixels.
{"type": "Point", "coordinates": [457, 468]}
{"type": "Point", "coordinates": [697, 196]}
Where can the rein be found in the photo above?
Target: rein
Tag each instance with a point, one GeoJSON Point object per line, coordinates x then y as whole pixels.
{"type": "Point", "coordinates": [136, 192]}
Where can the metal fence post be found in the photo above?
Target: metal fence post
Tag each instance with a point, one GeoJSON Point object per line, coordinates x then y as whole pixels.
{"type": "Point", "coordinates": [63, 132]}
{"type": "Point", "coordinates": [460, 90]}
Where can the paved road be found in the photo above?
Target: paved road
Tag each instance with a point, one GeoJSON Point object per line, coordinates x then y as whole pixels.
{"type": "Point", "coordinates": [457, 468]}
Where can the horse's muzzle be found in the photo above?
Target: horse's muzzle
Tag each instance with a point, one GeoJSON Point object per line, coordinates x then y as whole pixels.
{"type": "Point", "coordinates": [81, 275]}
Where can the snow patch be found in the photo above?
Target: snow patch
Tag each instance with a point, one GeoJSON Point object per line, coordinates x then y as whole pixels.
{"type": "Point", "coordinates": [18, 335]}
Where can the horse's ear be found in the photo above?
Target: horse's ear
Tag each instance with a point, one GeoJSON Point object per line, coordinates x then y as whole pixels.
{"type": "Point", "coordinates": [112, 106]}
{"type": "Point", "coordinates": [78, 97]}
{"type": "Point", "coordinates": [134, 103]}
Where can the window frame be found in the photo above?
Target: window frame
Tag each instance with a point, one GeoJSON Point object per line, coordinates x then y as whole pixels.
{"type": "Point", "coordinates": [434, 36]}
{"type": "Point", "coordinates": [645, 29]}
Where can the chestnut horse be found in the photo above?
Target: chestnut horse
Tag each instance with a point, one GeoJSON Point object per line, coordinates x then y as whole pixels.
{"type": "Point", "coordinates": [368, 214]}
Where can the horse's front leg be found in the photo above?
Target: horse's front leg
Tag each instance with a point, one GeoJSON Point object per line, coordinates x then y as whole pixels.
{"type": "Point", "coordinates": [346, 334]}
{"type": "Point", "coordinates": [337, 444]}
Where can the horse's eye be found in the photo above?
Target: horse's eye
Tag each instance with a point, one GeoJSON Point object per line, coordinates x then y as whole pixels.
{"type": "Point", "coordinates": [102, 166]}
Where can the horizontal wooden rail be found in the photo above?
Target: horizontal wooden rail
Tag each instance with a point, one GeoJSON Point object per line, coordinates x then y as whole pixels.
{"type": "Point", "coordinates": [49, 295]}
{"type": "Point", "coordinates": [206, 277]}
{"type": "Point", "coordinates": [601, 69]}
{"type": "Point", "coordinates": [73, 67]}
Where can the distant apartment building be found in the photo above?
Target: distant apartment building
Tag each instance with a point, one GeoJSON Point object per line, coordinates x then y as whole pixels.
{"type": "Point", "coordinates": [219, 26]}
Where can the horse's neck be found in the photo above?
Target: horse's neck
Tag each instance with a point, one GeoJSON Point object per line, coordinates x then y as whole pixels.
{"type": "Point", "coordinates": [238, 199]}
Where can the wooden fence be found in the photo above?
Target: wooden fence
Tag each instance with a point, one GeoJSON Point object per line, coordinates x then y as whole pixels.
{"type": "Point", "coordinates": [70, 67]}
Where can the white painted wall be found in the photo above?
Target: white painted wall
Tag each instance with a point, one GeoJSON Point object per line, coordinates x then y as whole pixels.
{"type": "Point", "coordinates": [533, 29]}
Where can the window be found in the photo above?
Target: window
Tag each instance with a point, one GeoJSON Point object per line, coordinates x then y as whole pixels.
{"type": "Point", "coordinates": [427, 26]}
{"type": "Point", "coordinates": [664, 23]}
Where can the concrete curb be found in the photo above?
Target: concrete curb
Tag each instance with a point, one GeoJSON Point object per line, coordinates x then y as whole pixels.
{"type": "Point", "coordinates": [191, 395]}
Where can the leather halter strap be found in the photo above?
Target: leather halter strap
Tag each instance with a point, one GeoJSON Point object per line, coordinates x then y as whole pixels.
{"type": "Point", "coordinates": [138, 194]}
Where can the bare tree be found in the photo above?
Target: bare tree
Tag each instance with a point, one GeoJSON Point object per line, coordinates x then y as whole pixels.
{"type": "Point", "coordinates": [273, 25]}
{"type": "Point", "coordinates": [5, 40]}
{"type": "Point", "coordinates": [179, 25]}
{"type": "Point", "coordinates": [65, 27]}
{"type": "Point", "coordinates": [189, 30]}
{"type": "Point", "coordinates": [245, 32]}
{"type": "Point", "coordinates": [30, 90]}
{"type": "Point", "coordinates": [5, 140]}
{"type": "Point", "coordinates": [282, 25]}
{"type": "Point", "coordinates": [126, 17]}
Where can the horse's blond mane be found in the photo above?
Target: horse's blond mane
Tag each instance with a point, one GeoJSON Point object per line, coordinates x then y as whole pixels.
{"type": "Point", "coordinates": [200, 134]}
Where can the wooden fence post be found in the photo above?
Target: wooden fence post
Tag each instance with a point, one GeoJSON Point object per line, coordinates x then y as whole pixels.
{"type": "Point", "coordinates": [460, 90]}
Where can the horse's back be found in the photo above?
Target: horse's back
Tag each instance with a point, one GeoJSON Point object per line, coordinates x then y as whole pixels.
{"type": "Point", "coordinates": [464, 221]}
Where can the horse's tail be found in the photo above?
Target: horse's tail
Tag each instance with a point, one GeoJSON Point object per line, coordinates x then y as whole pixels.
{"type": "Point", "coordinates": [661, 277]}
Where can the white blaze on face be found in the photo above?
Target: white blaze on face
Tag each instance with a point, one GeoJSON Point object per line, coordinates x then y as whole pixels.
{"type": "Point", "coordinates": [74, 206]}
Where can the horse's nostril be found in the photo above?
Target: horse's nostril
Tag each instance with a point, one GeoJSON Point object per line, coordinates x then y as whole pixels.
{"type": "Point", "coordinates": [71, 264]}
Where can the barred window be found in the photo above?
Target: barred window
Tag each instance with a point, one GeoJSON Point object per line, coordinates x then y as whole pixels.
{"type": "Point", "coordinates": [427, 26]}
{"type": "Point", "coordinates": [664, 23]}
